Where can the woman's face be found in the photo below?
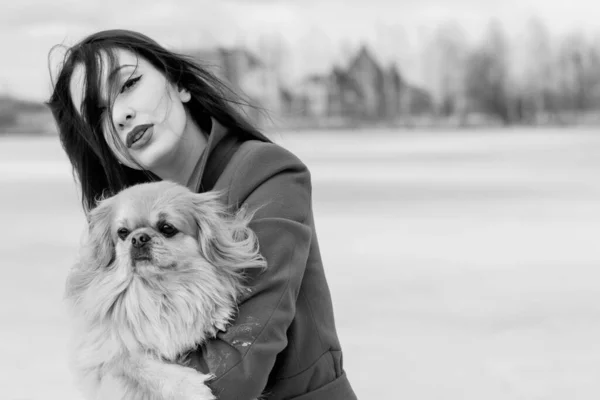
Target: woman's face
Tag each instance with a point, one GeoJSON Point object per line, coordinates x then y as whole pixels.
{"type": "Point", "coordinates": [148, 114]}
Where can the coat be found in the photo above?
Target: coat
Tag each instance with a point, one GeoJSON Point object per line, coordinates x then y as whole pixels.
{"type": "Point", "coordinates": [283, 342]}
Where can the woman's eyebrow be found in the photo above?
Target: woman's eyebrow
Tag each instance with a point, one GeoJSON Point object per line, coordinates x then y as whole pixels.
{"type": "Point", "coordinates": [119, 69]}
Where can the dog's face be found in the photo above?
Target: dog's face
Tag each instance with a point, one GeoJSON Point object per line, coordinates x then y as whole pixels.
{"type": "Point", "coordinates": [156, 228]}
{"type": "Point", "coordinates": [152, 229]}
{"type": "Point", "coordinates": [158, 253]}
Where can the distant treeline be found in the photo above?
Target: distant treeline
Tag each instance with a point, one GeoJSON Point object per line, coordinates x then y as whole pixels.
{"type": "Point", "coordinates": [529, 77]}
{"type": "Point", "coordinates": [533, 78]}
{"type": "Point", "coordinates": [24, 116]}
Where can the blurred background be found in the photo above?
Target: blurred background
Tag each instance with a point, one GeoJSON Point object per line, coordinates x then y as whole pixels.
{"type": "Point", "coordinates": [455, 156]}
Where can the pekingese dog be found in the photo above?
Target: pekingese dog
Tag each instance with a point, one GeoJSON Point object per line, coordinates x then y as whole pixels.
{"type": "Point", "coordinates": [159, 273]}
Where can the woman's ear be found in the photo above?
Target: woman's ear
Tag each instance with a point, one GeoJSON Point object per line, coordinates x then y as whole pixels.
{"type": "Point", "coordinates": [184, 95]}
{"type": "Point", "coordinates": [225, 239]}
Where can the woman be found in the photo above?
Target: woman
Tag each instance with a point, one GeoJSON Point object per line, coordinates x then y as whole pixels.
{"type": "Point", "coordinates": [130, 111]}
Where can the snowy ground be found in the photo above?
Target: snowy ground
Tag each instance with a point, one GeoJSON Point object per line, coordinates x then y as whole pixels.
{"type": "Point", "coordinates": [463, 265]}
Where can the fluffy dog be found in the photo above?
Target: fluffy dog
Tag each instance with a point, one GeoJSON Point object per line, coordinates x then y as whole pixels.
{"type": "Point", "coordinates": [158, 274]}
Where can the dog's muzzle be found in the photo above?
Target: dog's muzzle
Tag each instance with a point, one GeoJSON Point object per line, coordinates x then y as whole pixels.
{"type": "Point", "coordinates": [140, 240]}
{"type": "Point", "coordinates": [140, 247]}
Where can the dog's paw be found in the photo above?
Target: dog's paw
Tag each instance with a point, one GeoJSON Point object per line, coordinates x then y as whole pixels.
{"type": "Point", "coordinates": [221, 326]}
{"type": "Point", "coordinates": [193, 387]}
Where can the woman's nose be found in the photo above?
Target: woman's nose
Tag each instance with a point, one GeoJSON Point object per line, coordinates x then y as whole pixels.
{"type": "Point", "coordinates": [123, 117]}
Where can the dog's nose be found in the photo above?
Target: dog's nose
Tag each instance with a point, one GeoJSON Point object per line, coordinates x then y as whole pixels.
{"type": "Point", "coordinates": [139, 240]}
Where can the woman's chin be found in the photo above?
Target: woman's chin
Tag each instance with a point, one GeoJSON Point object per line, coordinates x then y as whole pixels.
{"type": "Point", "coordinates": [155, 154]}
{"type": "Point", "coordinates": [149, 158]}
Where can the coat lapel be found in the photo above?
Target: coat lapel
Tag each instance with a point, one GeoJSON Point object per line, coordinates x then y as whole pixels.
{"type": "Point", "coordinates": [217, 133]}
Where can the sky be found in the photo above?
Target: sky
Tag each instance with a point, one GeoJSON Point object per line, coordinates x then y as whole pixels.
{"type": "Point", "coordinates": [317, 32]}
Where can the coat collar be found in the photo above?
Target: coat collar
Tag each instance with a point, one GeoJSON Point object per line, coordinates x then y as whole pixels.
{"type": "Point", "coordinates": [216, 135]}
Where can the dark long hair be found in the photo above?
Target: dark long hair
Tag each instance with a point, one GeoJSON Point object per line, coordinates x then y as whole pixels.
{"type": "Point", "coordinates": [95, 167]}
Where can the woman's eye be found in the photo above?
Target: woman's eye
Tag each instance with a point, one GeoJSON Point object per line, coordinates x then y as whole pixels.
{"type": "Point", "coordinates": [167, 229]}
{"type": "Point", "coordinates": [130, 83]}
{"type": "Point", "coordinates": [123, 233]}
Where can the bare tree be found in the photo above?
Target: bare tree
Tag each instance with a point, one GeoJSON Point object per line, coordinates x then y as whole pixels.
{"type": "Point", "coordinates": [445, 59]}
{"type": "Point", "coordinates": [539, 90]}
{"type": "Point", "coordinates": [578, 63]}
{"type": "Point", "coordinates": [486, 76]}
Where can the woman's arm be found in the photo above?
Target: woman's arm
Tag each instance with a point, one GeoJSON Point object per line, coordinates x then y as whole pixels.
{"type": "Point", "coordinates": [274, 182]}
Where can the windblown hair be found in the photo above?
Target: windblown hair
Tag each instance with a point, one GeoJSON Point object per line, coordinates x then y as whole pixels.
{"type": "Point", "coordinates": [95, 167]}
{"type": "Point", "coordinates": [128, 323]}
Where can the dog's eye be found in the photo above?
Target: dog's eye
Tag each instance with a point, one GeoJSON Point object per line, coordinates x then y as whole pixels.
{"type": "Point", "coordinates": [123, 233]}
{"type": "Point", "coordinates": [167, 229]}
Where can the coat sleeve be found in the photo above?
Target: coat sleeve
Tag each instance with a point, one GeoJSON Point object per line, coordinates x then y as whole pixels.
{"type": "Point", "coordinates": [274, 182]}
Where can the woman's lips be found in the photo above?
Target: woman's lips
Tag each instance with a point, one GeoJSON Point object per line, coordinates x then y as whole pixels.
{"type": "Point", "coordinates": [139, 136]}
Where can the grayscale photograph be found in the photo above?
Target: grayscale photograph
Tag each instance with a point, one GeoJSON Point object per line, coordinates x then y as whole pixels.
{"type": "Point", "coordinates": [310, 200]}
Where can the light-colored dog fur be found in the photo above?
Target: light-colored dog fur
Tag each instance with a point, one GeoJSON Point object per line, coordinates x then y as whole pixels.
{"type": "Point", "coordinates": [134, 318]}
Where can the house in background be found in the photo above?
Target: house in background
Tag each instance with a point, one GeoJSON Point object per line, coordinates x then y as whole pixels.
{"type": "Point", "coordinates": [416, 101]}
{"type": "Point", "coordinates": [394, 88]}
{"type": "Point", "coordinates": [365, 72]}
{"type": "Point", "coordinates": [362, 90]}
{"type": "Point", "coordinates": [334, 95]}
{"type": "Point", "coordinates": [294, 104]}
{"type": "Point", "coordinates": [345, 97]}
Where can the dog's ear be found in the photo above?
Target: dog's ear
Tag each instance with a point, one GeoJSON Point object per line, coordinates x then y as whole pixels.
{"type": "Point", "coordinates": [100, 243]}
{"type": "Point", "coordinates": [225, 238]}
{"type": "Point", "coordinates": [96, 253]}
